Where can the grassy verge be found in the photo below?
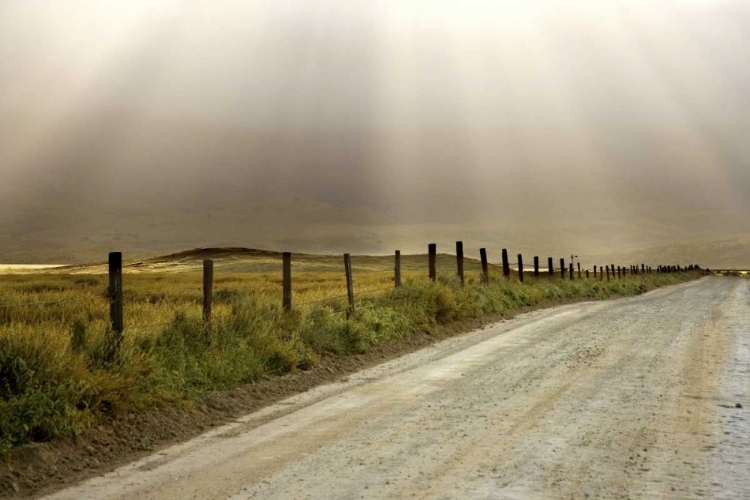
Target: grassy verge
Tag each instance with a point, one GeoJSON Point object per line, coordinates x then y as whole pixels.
{"type": "Point", "coordinates": [57, 377]}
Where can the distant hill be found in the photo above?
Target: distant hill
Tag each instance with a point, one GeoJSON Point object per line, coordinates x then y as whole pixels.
{"type": "Point", "coordinates": [124, 182]}
{"type": "Point", "coordinates": [305, 225]}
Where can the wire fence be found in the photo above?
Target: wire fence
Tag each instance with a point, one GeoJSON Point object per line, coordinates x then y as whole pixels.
{"type": "Point", "coordinates": [352, 299]}
{"type": "Point", "coordinates": [42, 303]}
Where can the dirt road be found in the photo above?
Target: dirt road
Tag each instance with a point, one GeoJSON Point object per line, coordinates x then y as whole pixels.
{"type": "Point", "coordinates": [625, 399]}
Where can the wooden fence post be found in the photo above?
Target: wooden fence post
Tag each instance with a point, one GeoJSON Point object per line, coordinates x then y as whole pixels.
{"type": "Point", "coordinates": [571, 272]}
{"type": "Point", "coordinates": [601, 273]}
{"type": "Point", "coordinates": [550, 267]}
{"type": "Point", "coordinates": [594, 272]}
{"type": "Point", "coordinates": [460, 260]}
{"type": "Point", "coordinates": [287, 280]}
{"type": "Point", "coordinates": [536, 266]}
{"type": "Point", "coordinates": [643, 268]}
{"type": "Point", "coordinates": [587, 274]}
{"type": "Point", "coordinates": [612, 267]}
{"type": "Point", "coordinates": [115, 296]}
{"type": "Point", "coordinates": [579, 270]}
{"type": "Point", "coordinates": [506, 264]}
{"type": "Point", "coordinates": [562, 268]}
{"type": "Point", "coordinates": [349, 281]}
{"type": "Point", "coordinates": [485, 267]}
{"type": "Point", "coordinates": [607, 273]}
{"type": "Point", "coordinates": [619, 272]}
{"type": "Point", "coordinates": [520, 268]}
{"type": "Point", "coordinates": [208, 288]}
{"type": "Point", "coordinates": [432, 250]}
{"type": "Point", "coordinates": [397, 269]}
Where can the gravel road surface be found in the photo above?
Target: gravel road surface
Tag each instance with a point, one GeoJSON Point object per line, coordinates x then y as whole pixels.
{"type": "Point", "coordinates": [633, 398]}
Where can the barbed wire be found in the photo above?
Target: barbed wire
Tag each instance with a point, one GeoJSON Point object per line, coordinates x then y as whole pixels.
{"type": "Point", "coordinates": [344, 296]}
{"type": "Point", "coordinates": [42, 303]}
{"type": "Point", "coordinates": [376, 290]}
{"type": "Point", "coordinates": [317, 301]}
{"type": "Point", "coordinates": [174, 320]}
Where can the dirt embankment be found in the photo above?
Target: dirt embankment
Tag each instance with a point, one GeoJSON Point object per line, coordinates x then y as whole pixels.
{"type": "Point", "coordinates": [42, 467]}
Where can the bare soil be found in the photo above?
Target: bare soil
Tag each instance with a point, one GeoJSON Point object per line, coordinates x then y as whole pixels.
{"type": "Point", "coordinates": [643, 397]}
{"type": "Point", "coordinates": [40, 468]}
{"type": "Point", "coordinates": [606, 399]}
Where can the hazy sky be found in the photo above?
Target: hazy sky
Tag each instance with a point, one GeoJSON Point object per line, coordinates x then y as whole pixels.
{"type": "Point", "coordinates": [400, 103]}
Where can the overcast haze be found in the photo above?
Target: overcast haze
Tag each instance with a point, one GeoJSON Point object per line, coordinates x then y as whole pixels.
{"type": "Point", "coordinates": [609, 127]}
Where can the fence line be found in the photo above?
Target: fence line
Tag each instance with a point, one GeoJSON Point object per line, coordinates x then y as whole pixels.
{"type": "Point", "coordinates": [115, 294]}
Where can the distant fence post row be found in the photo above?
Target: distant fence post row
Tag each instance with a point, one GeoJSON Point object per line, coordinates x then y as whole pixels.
{"type": "Point", "coordinates": [115, 295]}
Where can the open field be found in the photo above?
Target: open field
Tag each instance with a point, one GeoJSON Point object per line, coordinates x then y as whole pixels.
{"type": "Point", "coordinates": [60, 374]}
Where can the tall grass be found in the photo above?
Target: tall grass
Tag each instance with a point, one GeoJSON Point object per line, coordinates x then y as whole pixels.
{"type": "Point", "coordinates": [58, 377]}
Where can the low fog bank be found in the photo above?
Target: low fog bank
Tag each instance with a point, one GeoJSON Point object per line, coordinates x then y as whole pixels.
{"type": "Point", "coordinates": [154, 187]}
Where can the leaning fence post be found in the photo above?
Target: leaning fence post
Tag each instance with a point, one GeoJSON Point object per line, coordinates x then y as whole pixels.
{"type": "Point", "coordinates": [485, 267]}
{"type": "Point", "coordinates": [208, 288]}
{"type": "Point", "coordinates": [506, 264]}
{"type": "Point", "coordinates": [520, 268]}
{"type": "Point", "coordinates": [562, 268]}
{"type": "Point", "coordinates": [536, 266]}
{"type": "Point", "coordinates": [460, 260]}
{"type": "Point", "coordinates": [432, 250]}
{"type": "Point", "coordinates": [287, 280]}
{"type": "Point", "coordinates": [115, 296]}
{"type": "Point", "coordinates": [349, 281]}
{"type": "Point", "coordinates": [550, 267]}
{"type": "Point", "coordinates": [397, 269]}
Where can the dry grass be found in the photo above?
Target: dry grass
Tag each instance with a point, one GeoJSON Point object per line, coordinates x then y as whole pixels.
{"type": "Point", "coordinates": [59, 373]}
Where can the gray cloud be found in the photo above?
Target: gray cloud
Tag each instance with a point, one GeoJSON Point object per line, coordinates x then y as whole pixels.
{"type": "Point", "coordinates": [424, 111]}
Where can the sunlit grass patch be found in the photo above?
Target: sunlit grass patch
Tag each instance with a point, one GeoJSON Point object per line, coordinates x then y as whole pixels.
{"type": "Point", "coordinates": [59, 374]}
